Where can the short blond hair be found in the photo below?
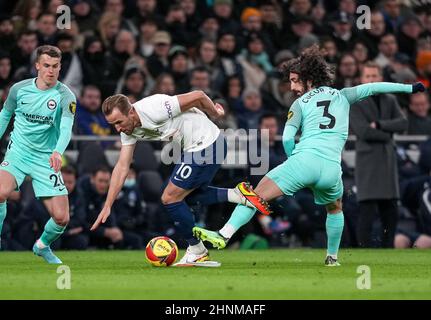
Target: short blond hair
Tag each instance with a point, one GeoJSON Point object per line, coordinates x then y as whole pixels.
{"type": "Point", "coordinates": [119, 101]}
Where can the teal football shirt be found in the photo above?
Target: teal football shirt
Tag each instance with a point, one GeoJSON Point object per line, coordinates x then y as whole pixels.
{"type": "Point", "coordinates": [41, 116]}
{"type": "Point", "coordinates": [323, 116]}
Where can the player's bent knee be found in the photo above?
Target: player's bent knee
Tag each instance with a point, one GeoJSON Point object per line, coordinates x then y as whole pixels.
{"type": "Point", "coordinates": [335, 207]}
{"type": "Point", "coordinates": [168, 198]}
{"type": "Point", "coordinates": [62, 221]}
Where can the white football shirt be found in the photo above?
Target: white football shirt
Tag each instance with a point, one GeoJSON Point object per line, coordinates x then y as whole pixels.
{"type": "Point", "coordinates": [162, 119]}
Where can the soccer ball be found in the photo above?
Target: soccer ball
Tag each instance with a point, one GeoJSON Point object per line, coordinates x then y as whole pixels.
{"type": "Point", "coordinates": [161, 251]}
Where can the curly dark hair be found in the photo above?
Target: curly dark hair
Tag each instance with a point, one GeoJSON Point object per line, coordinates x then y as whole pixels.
{"type": "Point", "coordinates": [310, 66]}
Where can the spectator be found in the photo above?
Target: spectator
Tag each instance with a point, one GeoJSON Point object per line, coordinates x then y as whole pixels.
{"type": "Point", "coordinates": [388, 48]}
{"type": "Point", "coordinates": [176, 25]}
{"type": "Point", "coordinates": [223, 10]}
{"type": "Point", "coordinates": [423, 66]}
{"type": "Point", "coordinates": [148, 29]}
{"type": "Point", "coordinates": [25, 15]}
{"type": "Point", "coordinates": [146, 9]}
{"type": "Point", "coordinates": [193, 16]}
{"type": "Point", "coordinates": [25, 46]}
{"type": "Point", "coordinates": [360, 53]}
{"type": "Point", "coordinates": [85, 14]}
{"type": "Point", "coordinates": [226, 49]}
{"type": "Point", "coordinates": [251, 22]}
{"type": "Point", "coordinates": [207, 57]}
{"type": "Point", "coordinates": [347, 72]}
{"type": "Point", "coordinates": [158, 62]}
{"type": "Point", "coordinates": [301, 27]}
{"type": "Point", "coordinates": [93, 61]}
{"type": "Point", "coordinates": [74, 237]}
{"type": "Point", "coordinates": [94, 190]}
{"type": "Point", "coordinates": [5, 72]}
{"type": "Point", "coordinates": [108, 27]}
{"type": "Point", "coordinates": [209, 27]}
{"type": "Point", "coordinates": [117, 7]}
{"type": "Point", "coordinates": [232, 91]}
{"type": "Point", "coordinates": [331, 50]}
{"type": "Point", "coordinates": [271, 22]}
{"type": "Point", "coordinates": [343, 33]}
{"type": "Point", "coordinates": [7, 35]}
{"type": "Point", "coordinates": [52, 6]}
{"type": "Point", "coordinates": [372, 36]}
{"type": "Point", "coordinates": [391, 11]}
{"type": "Point", "coordinates": [89, 116]}
{"type": "Point", "coordinates": [255, 62]}
{"type": "Point", "coordinates": [418, 116]}
{"type": "Point", "coordinates": [47, 28]}
{"type": "Point", "coordinates": [408, 36]}
{"type": "Point", "coordinates": [71, 68]}
{"type": "Point", "coordinates": [124, 49]}
{"type": "Point", "coordinates": [251, 109]}
{"type": "Point", "coordinates": [164, 84]}
{"type": "Point", "coordinates": [131, 209]}
{"type": "Point", "coordinates": [179, 63]}
{"type": "Point", "coordinates": [133, 83]}
{"type": "Point", "coordinates": [374, 120]}
{"type": "Point", "coordinates": [200, 80]}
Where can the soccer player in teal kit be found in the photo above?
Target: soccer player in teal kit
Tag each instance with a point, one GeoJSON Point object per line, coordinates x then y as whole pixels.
{"type": "Point", "coordinates": [44, 109]}
{"type": "Point", "coordinates": [322, 114]}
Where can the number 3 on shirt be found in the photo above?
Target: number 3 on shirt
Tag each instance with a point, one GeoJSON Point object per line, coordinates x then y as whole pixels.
{"type": "Point", "coordinates": [326, 114]}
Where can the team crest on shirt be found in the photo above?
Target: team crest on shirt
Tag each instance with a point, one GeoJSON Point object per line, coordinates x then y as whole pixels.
{"type": "Point", "coordinates": [51, 104]}
{"type": "Point", "coordinates": [289, 115]}
{"type": "Point", "coordinates": [72, 107]}
{"type": "Point", "coordinates": [4, 164]}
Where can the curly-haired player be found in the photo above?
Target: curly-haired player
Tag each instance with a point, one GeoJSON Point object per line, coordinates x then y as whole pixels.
{"type": "Point", "coordinates": [322, 113]}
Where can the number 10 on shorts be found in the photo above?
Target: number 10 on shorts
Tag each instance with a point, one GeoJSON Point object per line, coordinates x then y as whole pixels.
{"type": "Point", "coordinates": [184, 171]}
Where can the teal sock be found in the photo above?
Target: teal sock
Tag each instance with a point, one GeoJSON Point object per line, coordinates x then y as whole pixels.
{"type": "Point", "coordinates": [51, 232]}
{"type": "Point", "coordinates": [334, 231]}
{"type": "Point", "coordinates": [240, 216]}
{"type": "Point", "coordinates": [2, 216]}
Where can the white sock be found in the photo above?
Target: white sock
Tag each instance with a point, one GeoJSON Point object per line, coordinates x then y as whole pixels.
{"type": "Point", "coordinates": [227, 231]}
{"type": "Point", "coordinates": [40, 244]}
{"type": "Point", "coordinates": [234, 197]}
{"type": "Point", "coordinates": [198, 248]}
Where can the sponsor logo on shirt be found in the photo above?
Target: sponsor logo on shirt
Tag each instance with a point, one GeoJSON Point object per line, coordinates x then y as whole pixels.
{"type": "Point", "coordinates": [51, 104]}
{"type": "Point", "coordinates": [168, 109]}
{"type": "Point", "coordinates": [35, 118]}
{"type": "Point", "coordinates": [4, 164]}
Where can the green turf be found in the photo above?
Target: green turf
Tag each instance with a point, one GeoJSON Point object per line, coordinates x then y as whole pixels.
{"type": "Point", "coordinates": [266, 274]}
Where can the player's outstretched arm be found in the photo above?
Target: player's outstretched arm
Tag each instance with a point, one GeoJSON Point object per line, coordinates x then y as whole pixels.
{"type": "Point", "coordinates": [117, 181]}
{"type": "Point", "coordinates": [201, 101]}
{"type": "Point", "coordinates": [8, 109]}
{"type": "Point", "coordinates": [363, 91]}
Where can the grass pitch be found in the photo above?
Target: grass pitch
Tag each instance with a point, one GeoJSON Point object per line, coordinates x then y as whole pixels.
{"type": "Point", "coordinates": [267, 274]}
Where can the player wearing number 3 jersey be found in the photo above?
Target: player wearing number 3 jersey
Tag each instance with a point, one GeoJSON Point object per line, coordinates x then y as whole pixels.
{"type": "Point", "coordinates": [44, 110]}
{"type": "Point", "coordinates": [322, 114]}
{"type": "Point", "coordinates": [182, 119]}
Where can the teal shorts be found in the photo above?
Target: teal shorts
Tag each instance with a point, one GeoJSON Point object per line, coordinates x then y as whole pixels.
{"type": "Point", "coordinates": [307, 170]}
{"type": "Point", "coordinates": [46, 182]}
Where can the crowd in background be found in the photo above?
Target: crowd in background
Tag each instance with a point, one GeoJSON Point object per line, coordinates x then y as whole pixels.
{"type": "Point", "coordinates": [233, 51]}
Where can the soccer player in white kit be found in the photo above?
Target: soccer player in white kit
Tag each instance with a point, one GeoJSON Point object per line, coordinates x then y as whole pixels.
{"type": "Point", "coordinates": [181, 118]}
